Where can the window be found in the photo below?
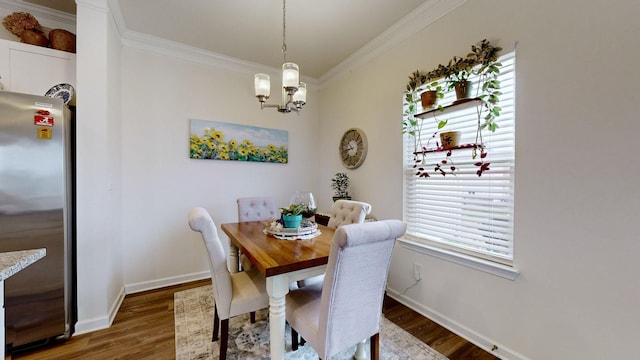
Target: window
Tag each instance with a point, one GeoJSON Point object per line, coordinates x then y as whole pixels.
{"type": "Point", "coordinates": [465, 214]}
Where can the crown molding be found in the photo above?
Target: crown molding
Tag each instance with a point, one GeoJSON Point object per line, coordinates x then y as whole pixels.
{"type": "Point", "coordinates": [178, 50]}
{"type": "Point", "coordinates": [425, 15]}
{"type": "Point", "coordinates": [100, 5]}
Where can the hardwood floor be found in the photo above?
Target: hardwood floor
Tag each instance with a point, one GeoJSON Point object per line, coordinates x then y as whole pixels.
{"type": "Point", "coordinates": [437, 337]}
{"type": "Point", "coordinates": [144, 329]}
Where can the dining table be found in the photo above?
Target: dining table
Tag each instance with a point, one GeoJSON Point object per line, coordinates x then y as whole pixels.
{"type": "Point", "coordinates": [282, 262]}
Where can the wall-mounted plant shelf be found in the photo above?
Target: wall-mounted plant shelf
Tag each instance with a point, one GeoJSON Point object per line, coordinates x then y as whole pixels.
{"type": "Point", "coordinates": [441, 148]}
{"type": "Point", "coordinates": [456, 105]}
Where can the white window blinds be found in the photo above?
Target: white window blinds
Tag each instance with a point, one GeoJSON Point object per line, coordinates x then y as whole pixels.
{"type": "Point", "coordinates": [465, 212]}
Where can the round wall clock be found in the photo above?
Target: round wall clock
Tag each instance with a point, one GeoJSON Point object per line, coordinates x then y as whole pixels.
{"type": "Point", "coordinates": [353, 148]}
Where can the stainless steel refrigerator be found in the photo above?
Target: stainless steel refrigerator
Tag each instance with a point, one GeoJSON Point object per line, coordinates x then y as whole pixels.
{"type": "Point", "coordinates": [36, 197]}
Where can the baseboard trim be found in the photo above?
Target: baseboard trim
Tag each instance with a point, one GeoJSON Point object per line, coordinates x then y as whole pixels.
{"type": "Point", "coordinates": [91, 325]}
{"type": "Point", "coordinates": [169, 281]}
{"type": "Point", "coordinates": [487, 344]}
{"type": "Point", "coordinates": [104, 322]}
{"type": "Point", "coordinates": [113, 310]}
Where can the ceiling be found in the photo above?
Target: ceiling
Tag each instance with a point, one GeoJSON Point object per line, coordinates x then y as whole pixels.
{"type": "Point", "coordinates": [320, 34]}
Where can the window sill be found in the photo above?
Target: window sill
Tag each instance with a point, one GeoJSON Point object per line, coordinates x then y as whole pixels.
{"type": "Point", "coordinates": [490, 267]}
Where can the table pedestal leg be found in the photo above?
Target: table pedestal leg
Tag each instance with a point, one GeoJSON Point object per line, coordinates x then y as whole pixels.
{"type": "Point", "coordinates": [233, 258]}
{"type": "Point", "coordinates": [361, 353]}
{"type": "Point", "coordinates": [277, 287]}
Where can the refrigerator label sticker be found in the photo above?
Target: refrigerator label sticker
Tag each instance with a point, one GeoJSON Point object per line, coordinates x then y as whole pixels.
{"type": "Point", "coordinates": [44, 133]}
{"type": "Point", "coordinates": [43, 118]}
{"type": "Point", "coordinates": [44, 105]}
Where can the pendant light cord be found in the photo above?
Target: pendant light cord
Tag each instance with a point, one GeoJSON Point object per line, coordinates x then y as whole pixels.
{"type": "Point", "coordinates": [284, 29]}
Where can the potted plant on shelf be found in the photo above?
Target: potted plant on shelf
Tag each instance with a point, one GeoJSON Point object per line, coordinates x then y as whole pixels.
{"type": "Point", "coordinates": [340, 185]}
{"type": "Point", "coordinates": [292, 215]}
{"type": "Point", "coordinates": [450, 139]}
{"type": "Point", "coordinates": [456, 74]}
{"type": "Point", "coordinates": [413, 126]}
{"type": "Point", "coordinates": [429, 98]}
{"type": "Point", "coordinates": [432, 88]}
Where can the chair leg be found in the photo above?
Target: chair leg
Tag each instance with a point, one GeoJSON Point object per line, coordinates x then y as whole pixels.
{"type": "Point", "coordinates": [375, 346]}
{"type": "Point", "coordinates": [216, 324]}
{"type": "Point", "coordinates": [252, 316]}
{"type": "Point", "coordinates": [294, 340]}
{"type": "Point", "coordinates": [224, 338]}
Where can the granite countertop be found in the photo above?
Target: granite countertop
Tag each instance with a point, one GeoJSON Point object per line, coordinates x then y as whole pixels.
{"type": "Point", "coordinates": [14, 261]}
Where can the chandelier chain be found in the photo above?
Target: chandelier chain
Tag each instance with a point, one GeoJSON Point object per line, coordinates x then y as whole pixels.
{"type": "Point", "coordinates": [294, 92]}
{"type": "Point", "coordinates": [284, 29]}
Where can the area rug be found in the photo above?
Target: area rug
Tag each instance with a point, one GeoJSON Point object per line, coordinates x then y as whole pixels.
{"type": "Point", "coordinates": [194, 326]}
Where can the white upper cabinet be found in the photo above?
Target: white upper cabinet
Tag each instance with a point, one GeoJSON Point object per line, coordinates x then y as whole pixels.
{"type": "Point", "coordinates": [33, 69]}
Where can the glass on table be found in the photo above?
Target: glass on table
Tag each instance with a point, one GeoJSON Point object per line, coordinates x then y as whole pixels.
{"type": "Point", "coordinates": [305, 198]}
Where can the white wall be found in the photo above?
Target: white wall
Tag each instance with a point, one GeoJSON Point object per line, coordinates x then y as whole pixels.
{"type": "Point", "coordinates": [98, 154]}
{"type": "Point", "coordinates": [161, 183]}
{"type": "Point", "coordinates": [577, 201]}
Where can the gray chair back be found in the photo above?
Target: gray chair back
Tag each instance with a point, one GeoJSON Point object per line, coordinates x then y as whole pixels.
{"type": "Point", "coordinates": [355, 282]}
{"type": "Point", "coordinates": [256, 209]}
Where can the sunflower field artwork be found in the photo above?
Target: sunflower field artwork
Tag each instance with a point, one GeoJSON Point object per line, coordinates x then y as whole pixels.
{"type": "Point", "coordinates": [224, 141]}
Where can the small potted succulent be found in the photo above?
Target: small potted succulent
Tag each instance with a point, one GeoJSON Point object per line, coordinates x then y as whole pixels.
{"type": "Point", "coordinates": [340, 185]}
{"type": "Point", "coordinates": [292, 215]}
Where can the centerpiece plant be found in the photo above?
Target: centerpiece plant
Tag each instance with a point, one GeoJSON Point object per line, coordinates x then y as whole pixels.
{"type": "Point", "coordinates": [292, 215]}
{"type": "Point", "coordinates": [293, 210]}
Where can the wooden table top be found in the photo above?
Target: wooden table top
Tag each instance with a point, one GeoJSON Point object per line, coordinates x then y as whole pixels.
{"type": "Point", "coordinates": [273, 256]}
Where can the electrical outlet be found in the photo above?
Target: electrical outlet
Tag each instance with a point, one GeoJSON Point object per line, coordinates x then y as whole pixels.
{"type": "Point", "coordinates": [416, 271]}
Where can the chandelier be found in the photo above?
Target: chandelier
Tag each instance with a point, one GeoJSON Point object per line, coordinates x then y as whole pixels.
{"type": "Point", "coordinates": [294, 92]}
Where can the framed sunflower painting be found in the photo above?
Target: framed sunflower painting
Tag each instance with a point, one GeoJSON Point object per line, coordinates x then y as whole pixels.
{"type": "Point", "coordinates": [224, 141]}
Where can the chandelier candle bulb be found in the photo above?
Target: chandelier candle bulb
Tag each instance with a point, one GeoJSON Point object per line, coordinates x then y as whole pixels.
{"type": "Point", "coordinates": [301, 95]}
{"type": "Point", "coordinates": [263, 85]}
{"type": "Point", "coordinates": [290, 75]}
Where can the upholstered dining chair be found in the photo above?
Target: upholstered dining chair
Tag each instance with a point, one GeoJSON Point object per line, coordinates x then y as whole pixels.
{"type": "Point", "coordinates": [348, 212]}
{"type": "Point", "coordinates": [343, 212]}
{"type": "Point", "coordinates": [255, 209]}
{"type": "Point", "coordinates": [347, 307]}
{"type": "Point", "coordinates": [233, 293]}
